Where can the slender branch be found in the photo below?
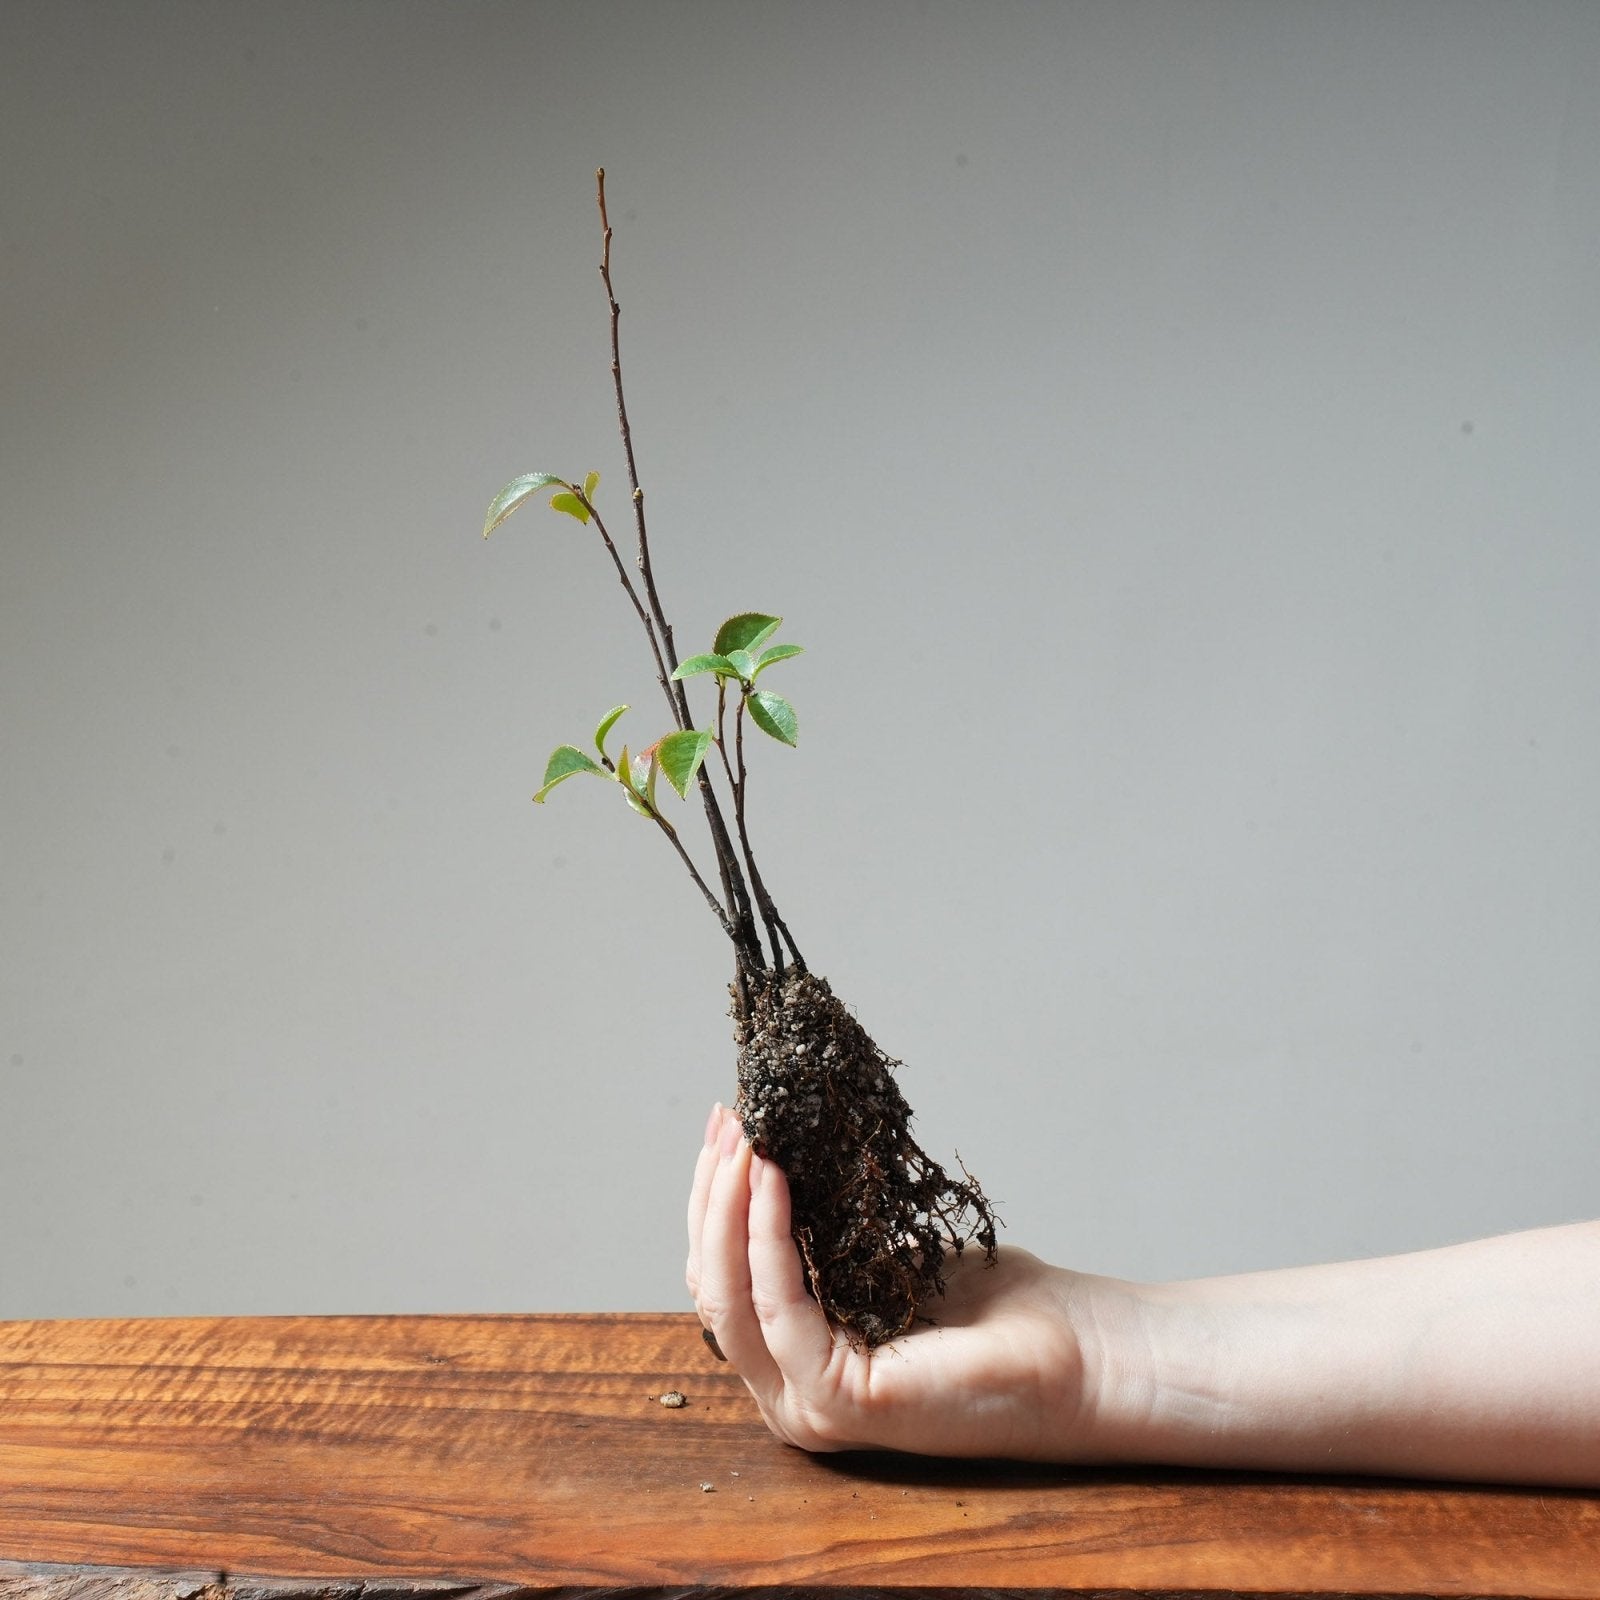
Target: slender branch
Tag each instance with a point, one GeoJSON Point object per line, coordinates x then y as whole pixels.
{"type": "Point", "coordinates": [721, 742]}
{"type": "Point", "coordinates": [734, 910]}
{"type": "Point", "coordinates": [643, 560]}
{"type": "Point", "coordinates": [734, 887]}
{"type": "Point", "coordinates": [733, 883]}
{"type": "Point", "coordinates": [762, 900]}
{"type": "Point", "coordinates": [739, 931]}
{"type": "Point", "coordinates": [700, 883]}
{"type": "Point", "coordinates": [679, 712]}
{"type": "Point", "coordinates": [769, 911]}
{"type": "Point", "coordinates": [722, 738]}
{"type": "Point", "coordinates": [788, 938]}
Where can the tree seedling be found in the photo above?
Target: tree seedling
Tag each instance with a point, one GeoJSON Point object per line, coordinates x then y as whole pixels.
{"type": "Point", "coordinates": [873, 1214]}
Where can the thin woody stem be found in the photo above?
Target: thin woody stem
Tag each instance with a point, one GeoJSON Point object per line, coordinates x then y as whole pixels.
{"type": "Point", "coordinates": [733, 884]}
{"type": "Point", "coordinates": [700, 883]}
{"type": "Point", "coordinates": [744, 838]}
{"type": "Point", "coordinates": [769, 911]}
{"type": "Point", "coordinates": [722, 739]}
{"type": "Point", "coordinates": [680, 714]}
{"type": "Point", "coordinates": [733, 912]}
{"type": "Point", "coordinates": [643, 560]}
{"type": "Point", "coordinates": [721, 742]}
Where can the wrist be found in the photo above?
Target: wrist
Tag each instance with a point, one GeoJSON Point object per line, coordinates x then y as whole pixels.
{"type": "Point", "coordinates": [1229, 1373]}
{"type": "Point", "coordinates": [1324, 1369]}
{"type": "Point", "coordinates": [1167, 1387]}
{"type": "Point", "coordinates": [1120, 1329]}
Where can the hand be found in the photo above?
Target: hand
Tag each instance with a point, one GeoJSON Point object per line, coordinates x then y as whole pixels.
{"type": "Point", "coordinates": [1000, 1372]}
{"type": "Point", "coordinates": [1476, 1361]}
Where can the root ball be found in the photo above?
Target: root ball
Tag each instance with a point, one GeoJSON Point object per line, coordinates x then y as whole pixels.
{"type": "Point", "coordinates": [873, 1213]}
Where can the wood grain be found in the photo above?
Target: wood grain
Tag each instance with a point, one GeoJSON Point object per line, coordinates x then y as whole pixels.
{"type": "Point", "coordinates": [485, 1458]}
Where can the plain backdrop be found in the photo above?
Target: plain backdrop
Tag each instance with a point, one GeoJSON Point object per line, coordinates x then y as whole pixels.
{"type": "Point", "coordinates": [1173, 430]}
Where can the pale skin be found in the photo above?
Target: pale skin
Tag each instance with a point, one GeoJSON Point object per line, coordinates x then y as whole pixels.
{"type": "Point", "coordinates": [1476, 1362]}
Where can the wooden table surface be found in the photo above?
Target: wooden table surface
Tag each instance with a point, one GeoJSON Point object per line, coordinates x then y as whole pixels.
{"type": "Point", "coordinates": [376, 1458]}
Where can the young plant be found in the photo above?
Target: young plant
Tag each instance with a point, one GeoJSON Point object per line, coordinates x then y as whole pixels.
{"type": "Point", "coordinates": [873, 1214]}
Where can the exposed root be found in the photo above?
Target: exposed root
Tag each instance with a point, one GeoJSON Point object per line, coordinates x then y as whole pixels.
{"type": "Point", "coordinates": [873, 1212]}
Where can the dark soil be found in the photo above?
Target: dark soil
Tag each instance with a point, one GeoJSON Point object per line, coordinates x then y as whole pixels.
{"type": "Point", "coordinates": [873, 1213]}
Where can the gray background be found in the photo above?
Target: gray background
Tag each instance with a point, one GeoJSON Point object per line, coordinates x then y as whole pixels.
{"type": "Point", "coordinates": [1170, 427]}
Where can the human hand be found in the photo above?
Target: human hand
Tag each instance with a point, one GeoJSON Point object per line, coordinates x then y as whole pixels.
{"type": "Point", "coordinates": [1001, 1370]}
{"type": "Point", "coordinates": [1476, 1361]}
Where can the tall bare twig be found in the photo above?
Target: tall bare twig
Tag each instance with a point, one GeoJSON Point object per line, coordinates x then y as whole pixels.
{"type": "Point", "coordinates": [769, 911]}
{"type": "Point", "coordinates": [662, 669]}
{"type": "Point", "coordinates": [735, 890]}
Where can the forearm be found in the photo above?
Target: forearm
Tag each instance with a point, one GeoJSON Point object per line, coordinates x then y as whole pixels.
{"type": "Point", "coordinates": [1480, 1361]}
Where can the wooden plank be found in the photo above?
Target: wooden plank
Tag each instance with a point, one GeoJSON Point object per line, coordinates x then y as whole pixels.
{"type": "Point", "coordinates": [481, 1457]}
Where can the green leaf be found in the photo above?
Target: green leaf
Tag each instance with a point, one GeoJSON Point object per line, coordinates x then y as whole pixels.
{"type": "Point", "coordinates": [571, 504]}
{"type": "Point", "coordinates": [680, 755]}
{"type": "Point", "coordinates": [630, 789]}
{"type": "Point", "coordinates": [513, 495]}
{"type": "Point", "coordinates": [779, 652]}
{"type": "Point", "coordinates": [640, 779]}
{"type": "Point", "coordinates": [590, 484]}
{"type": "Point", "coordinates": [747, 631]}
{"type": "Point", "coordinates": [772, 714]}
{"type": "Point", "coordinates": [743, 663]}
{"type": "Point", "coordinates": [697, 664]}
{"type": "Point", "coordinates": [565, 760]}
{"type": "Point", "coordinates": [607, 723]}
{"type": "Point", "coordinates": [644, 784]}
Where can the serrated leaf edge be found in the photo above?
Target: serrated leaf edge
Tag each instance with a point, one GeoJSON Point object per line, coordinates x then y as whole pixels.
{"type": "Point", "coordinates": [761, 715]}
{"type": "Point", "coordinates": [707, 662]}
{"type": "Point", "coordinates": [515, 494]}
{"type": "Point", "coordinates": [771, 624]}
{"type": "Point", "coordinates": [778, 652]}
{"type": "Point", "coordinates": [606, 724]}
{"type": "Point", "coordinates": [702, 738]}
{"type": "Point", "coordinates": [584, 764]}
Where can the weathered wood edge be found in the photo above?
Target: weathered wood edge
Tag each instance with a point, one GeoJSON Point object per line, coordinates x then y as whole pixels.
{"type": "Point", "coordinates": [21, 1580]}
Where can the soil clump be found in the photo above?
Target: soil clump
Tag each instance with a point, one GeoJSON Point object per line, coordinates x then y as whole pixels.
{"type": "Point", "coordinates": [873, 1213]}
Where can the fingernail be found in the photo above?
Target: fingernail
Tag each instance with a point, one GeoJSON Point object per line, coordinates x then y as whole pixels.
{"type": "Point", "coordinates": [711, 1125]}
{"type": "Point", "coordinates": [731, 1135]}
{"type": "Point", "coordinates": [758, 1172]}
